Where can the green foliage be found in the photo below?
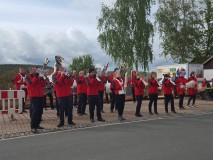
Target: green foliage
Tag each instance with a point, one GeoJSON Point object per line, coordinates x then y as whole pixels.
{"type": "Point", "coordinates": [126, 32]}
{"type": "Point", "coordinates": [82, 63]}
{"type": "Point", "coordinates": [178, 24]}
{"type": "Point", "coordinates": [185, 29]}
{"type": "Point", "coordinates": [206, 41]}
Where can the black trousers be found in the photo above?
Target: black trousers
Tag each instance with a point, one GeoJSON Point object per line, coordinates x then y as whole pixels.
{"type": "Point", "coordinates": [193, 98]}
{"type": "Point", "coordinates": [24, 101]}
{"type": "Point", "coordinates": [133, 94]}
{"type": "Point", "coordinates": [101, 97]}
{"type": "Point", "coordinates": [120, 102]}
{"type": "Point", "coordinates": [57, 106]}
{"type": "Point", "coordinates": [50, 95]}
{"type": "Point", "coordinates": [169, 98]}
{"type": "Point", "coordinates": [82, 101]}
{"type": "Point", "coordinates": [139, 103]}
{"type": "Point", "coordinates": [37, 108]}
{"type": "Point", "coordinates": [75, 100]}
{"type": "Point", "coordinates": [107, 97]}
{"type": "Point", "coordinates": [112, 101]}
{"type": "Point", "coordinates": [181, 98]}
{"type": "Point", "coordinates": [65, 103]}
{"type": "Point", "coordinates": [94, 101]}
{"type": "Point", "coordinates": [153, 98]}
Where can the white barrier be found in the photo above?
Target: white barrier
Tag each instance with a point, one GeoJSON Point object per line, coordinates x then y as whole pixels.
{"type": "Point", "coordinates": [11, 95]}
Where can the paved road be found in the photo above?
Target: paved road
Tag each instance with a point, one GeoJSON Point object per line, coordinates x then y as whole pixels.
{"type": "Point", "coordinates": [186, 138]}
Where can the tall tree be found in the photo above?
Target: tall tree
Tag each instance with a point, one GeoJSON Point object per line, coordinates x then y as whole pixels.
{"type": "Point", "coordinates": [206, 43]}
{"type": "Point", "coordinates": [178, 23]}
{"type": "Point", "coordinates": [82, 63]}
{"type": "Point", "coordinates": [126, 33]}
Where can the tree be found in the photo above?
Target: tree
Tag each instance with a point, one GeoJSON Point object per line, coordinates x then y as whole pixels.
{"type": "Point", "coordinates": [206, 42]}
{"type": "Point", "coordinates": [178, 22]}
{"type": "Point", "coordinates": [82, 63]}
{"type": "Point", "coordinates": [126, 32]}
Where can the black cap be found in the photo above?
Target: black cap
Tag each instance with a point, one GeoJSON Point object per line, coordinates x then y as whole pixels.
{"type": "Point", "coordinates": [116, 69]}
{"type": "Point", "coordinates": [91, 70]}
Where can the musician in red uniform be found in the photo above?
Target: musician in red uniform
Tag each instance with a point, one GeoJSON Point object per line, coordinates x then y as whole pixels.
{"type": "Point", "coordinates": [82, 93]}
{"type": "Point", "coordinates": [192, 91]}
{"type": "Point", "coordinates": [63, 85]}
{"type": "Point", "coordinates": [168, 85]}
{"type": "Point", "coordinates": [153, 92]}
{"type": "Point", "coordinates": [118, 87]}
{"type": "Point", "coordinates": [181, 86]}
{"type": "Point", "coordinates": [93, 97]}
{"type": "Point", "coordinates": [102, 81]}
{"type": "Point", "coordinates": [35, 85]}
{"type": "Point", "coordinates": [20, 83]}
{"type": "Point", "coordinates": [74, 88]}
{"type": "Point", "coordinates": [132, 81]}
{"type": "Point", "coordinates": [112, 94]}
{"type": "Point", "coordinates": [139, 91]}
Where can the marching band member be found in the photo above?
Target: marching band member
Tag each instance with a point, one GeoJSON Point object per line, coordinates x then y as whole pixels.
{"type": "Point", "coordinates": [82, 93]}
{"type": "Point", "coordinates": [93, 97]}
{"type": "Point", "coordinates": [101, 88]}
{"type": "Point", "coordinates": [181, 86]}
{"type": "Point", "coordinates": [168, 85]}
{"type": "Point", "coordinates": [63, 85]}
{"type": "Point", "coordinates": [132, 81]}
{"type": "Point", "coordinates": [153, 92]}
{"type": "Point", "coordinates": [35, 86]}
{"type": "Point", "coordinates": [20, 83]}
{"type": "Point", "coordinates": [139, 91]}
{"type": "Point", "coordinates": [118, 86]}
{"type": "Point", "coordinates": [74, 88]}
{"type": "Point", "coordinates": [106, 93]}
{"type": "Point", "coordinates": [192, 90]}
{"type": "Point", "coordinates": [48, 92]}
{"type": "Point", "coordinates": [112, 94]}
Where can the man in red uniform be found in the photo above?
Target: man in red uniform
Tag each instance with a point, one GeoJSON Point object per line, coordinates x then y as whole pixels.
{"type": "Point", "coordinates": [192, 91]}
{"type": "Point", "coordinates": [118, 87]}
{"type": "Point", "coordinates": [101, 87]}
{"type": "Point", "coordinates": [139, 91]}
{"type": "Point", "coordinates": [93, 97]}
{"type": "Point", "coordinates": [82, 93]}
{"type": "Point", "coordinates": [167, 90]}
{"type": "Point", "coordinates": [35, 86]}
{"type": "Point", "coordinates": [112, 94]}
{"type": "Point", "coordinates": [63, 85]}
{"type": "Point", "coordinates": [181, 86]}
{"type": "Point", "coordinates": [20, 83]}
{"type": "Point", "coordinates": [153, 92]}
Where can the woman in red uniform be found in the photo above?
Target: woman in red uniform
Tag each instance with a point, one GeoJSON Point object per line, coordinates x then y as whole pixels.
{"type": "Point", "coordinates": [181, 85]}
{"type": "Point", "coordinates": [192, 91]}
{"type": "Point", "coordinates": [139, 91]}
{"type": "Point", "coordinates": [167, 91]}
{"type": "Point", "coordinates": [153, 92]}
{"type": "Point", "coordinates": [118, 87]}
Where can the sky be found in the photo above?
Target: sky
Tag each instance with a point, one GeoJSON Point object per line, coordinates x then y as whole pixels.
{"type": "Point", "coordinates": [31, 30]}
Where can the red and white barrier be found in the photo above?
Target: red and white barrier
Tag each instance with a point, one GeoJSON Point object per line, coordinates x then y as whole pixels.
{"type": "Point", "coordinates": [11, 95]}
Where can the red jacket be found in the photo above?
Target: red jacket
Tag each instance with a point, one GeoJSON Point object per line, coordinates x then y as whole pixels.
{"type": "Point", "coordinates": [36, 87]}
{"type": "Point", "coordinates": [63, 86]}
{"type": "Point", "coordinates": [181, 83]}
{"type": "Point", "coordinates": [18, 80]}
{"type": "Point", "coordinates": [139, 87]}
{"type": "Point", "coordinates": [81, 85]}
{"type": "Point", "coordinates": [167, 86]}
{"type": "Point", "coordinates": [153, 86]}
{"type": "Point", "coordinates": [101, 86]}
{"type": "Point", "coordinates": [118, 85]}
{"type": "Point", "coordinates": [92, 86]}
{"type": "Point", "coordinates": [192, 91]}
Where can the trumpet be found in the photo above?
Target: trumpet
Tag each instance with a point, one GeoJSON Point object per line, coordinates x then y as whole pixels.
{"type": "Point", "coordinates": [172, 82]}
{"type": "Point", "coordinates": [145, 83]}
{"type": "Point", "coordinates": [157, 80]}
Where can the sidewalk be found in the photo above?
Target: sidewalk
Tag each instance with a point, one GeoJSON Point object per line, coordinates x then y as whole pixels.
{"type": "Point", "coordinates": [21, 125]}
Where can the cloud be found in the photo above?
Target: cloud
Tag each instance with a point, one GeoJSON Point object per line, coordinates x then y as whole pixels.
{"type": "Point", "coordinates": [23, 47]}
